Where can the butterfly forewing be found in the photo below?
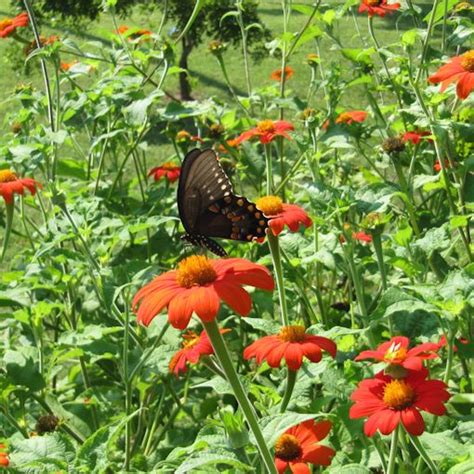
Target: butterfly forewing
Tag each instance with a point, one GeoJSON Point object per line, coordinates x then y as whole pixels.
{"type": "Point", "coordinates": [209, 208]}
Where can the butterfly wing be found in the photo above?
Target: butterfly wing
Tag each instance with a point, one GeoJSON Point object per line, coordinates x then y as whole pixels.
{"type": "Point", "coordinates": [207, 205]}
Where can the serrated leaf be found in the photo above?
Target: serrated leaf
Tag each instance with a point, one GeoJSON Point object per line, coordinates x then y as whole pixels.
{"type": "Point", "coordinates": [213, 457]}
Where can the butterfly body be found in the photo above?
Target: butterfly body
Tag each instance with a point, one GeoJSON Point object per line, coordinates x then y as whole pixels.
{"type": "Point", "coordinates": [209, 208]}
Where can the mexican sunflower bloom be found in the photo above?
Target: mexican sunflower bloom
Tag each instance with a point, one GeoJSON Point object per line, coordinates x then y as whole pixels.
{"type": "Point", "coordinates": [460, 70]}
{"type": "Point", "coordinates": [167, 170]}
{"type": "Point", "coordinates": [378, 7]}
{"type": "Point", "coordinates": [281, 214]}
{"type": "Point", "coordinates": [362, 237]}
{"type": "Point", "coordinates": [437, 165]}
{"type": "Point", "coordinates": [292, 343]}
{"type": "Point", "coordinates": [8, 26]}
{"type": "Point", "coordinates": [416, 136]}
{"type": "Point", "coordinates": [10, 184]}
{"type": "Point", "coordinates": [123, 29]}
{"type": "Point", "coordinates": [351, 117]}
{"type": "Point", "coordinates": [299, 446]}
{"type": "Point", "coordinates": [396, 352]}
{"type": "Point", "coordinates": [387, 402]}
{"type": "Point", "coordinates": [278, 74]}
{"type": "Point", "coordinates": [194, 346]}
{"type": "Point", "coordinates": [198, 285]}
{"type": "Point", "coordinates": [267, 130]}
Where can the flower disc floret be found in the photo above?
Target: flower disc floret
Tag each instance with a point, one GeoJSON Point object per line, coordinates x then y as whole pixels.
{"type": "Point", "coordinates": [288, 448]}
{"type": "Point", "coordinates": [195, 271]}
{"type": "Point", "coordinates": [7, 176]}
{"type": "Point", "coordinates": [270, 205]}
{"type": "Point", "coordinates": [467, 61]}
{"type": "Point", "coordinates": [294, 333]}
{"type": "Point", "coordinates": [398, 394]}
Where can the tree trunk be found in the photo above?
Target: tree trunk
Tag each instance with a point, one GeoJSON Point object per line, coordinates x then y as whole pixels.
{"type": "Point", "coordinates": [184, 86]}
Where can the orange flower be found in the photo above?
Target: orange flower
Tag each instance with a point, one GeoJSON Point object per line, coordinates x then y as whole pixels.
{"type": "Point", "coordinates": [66, 66]}
{"type": "Point", "coordinates": [292, 343]}
{"type": "Point", "coordinates": [44, 42]}
{"type": "Point", "coordinates": [353, 116]}
{"type": "Point", "coordinates": [168, 170]}
{"type": "Point", "coordinates": [198, 285]}
{"type": "Point", "coordinates": [378, 7]}
{"type": "Point", "coordinates": [10, 184]}
{"type": "Point", "coordinates": [194, 346]}
{"type": "Point", "coordinates": [281, 214]}
{"type": "Point", "coordinates": [277, 74]}
{"type": "Point", "coordinates": [416, 136]}
{"type": "Point", "coordinates": [388, 402]}
{"type": "Point", "coordinates": [135, 34]}
{"type": "Point", "coordinates": [362, 237]}
{"type": "Point", "coordinates": [396, 352]}
{"type": "Point", "coordinates": [299, 446]}
{"type": "Point", "coordinates": [267, 130]}
{"type": "Point", "coordinates": [8, 26]}
{"type": "Point", "coordinates": [437, 165]}
{"type": "Point", "coordinates": [460, 70]}
{"type": "Point", "coordinates": [4, 461]}
{"type": "Point", "coordinates": [183, 136]}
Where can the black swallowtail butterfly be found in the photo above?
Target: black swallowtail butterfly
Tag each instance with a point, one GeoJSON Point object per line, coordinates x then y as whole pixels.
{"type": "Point", "coordinates": [208, 206]}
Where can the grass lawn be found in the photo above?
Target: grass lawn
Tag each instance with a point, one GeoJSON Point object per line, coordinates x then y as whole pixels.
{"type": "Point", "coordinates": [205, 73]}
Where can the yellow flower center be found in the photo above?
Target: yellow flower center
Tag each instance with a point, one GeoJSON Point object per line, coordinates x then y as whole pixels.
{"type": "Point", "coordinates": [196, 270]}
{"type": "Point", "coordinates": [373, 3]}
{"type": "Point", "coordinates": [6, 176]}
{"type": "Point", "coordinates": [395, 352]}
{"type": "Point", "coordinates": [398, 394]}
{"type": "Point", "coordinates": [288, 448]}
{"type": "Point", "coordinates": [169, 166]}
{"type": "Point", "coordinates": [190, 339]}
{"type": "Point", "coordinates": [344, 117]}
{"type": "Point", "coordinates": [266, 125]}
{"type": "Point", "coordinates": [5, 22]}
{"type": "Point", "coordinates": [270, 205]}
{"type": "Point", "coordinates": [183, 135]}
{"type": "Point", "coordinates": [467, 61]}
{"type": "Point", "coordinates": [294, 333]}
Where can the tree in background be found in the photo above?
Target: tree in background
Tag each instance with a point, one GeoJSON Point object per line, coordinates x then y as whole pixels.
{"type": "Point", "coordinates": [208, 23]}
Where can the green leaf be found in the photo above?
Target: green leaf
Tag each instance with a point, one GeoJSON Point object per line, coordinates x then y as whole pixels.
{"type": "Point", "coordinates": [47, 448]}
{"type": "Point", "coordinates": [214, 457]}
{"type": "Point", "coordinates": [72, 169]}
{"type": "Point", "coordinates": [23, 370]}
{"type": "Point", "coordinates": [275, 425]}
{"type": "Point", "coordinates": [440, 446]}
{"type": "Point", "coordinates": [349, 469]}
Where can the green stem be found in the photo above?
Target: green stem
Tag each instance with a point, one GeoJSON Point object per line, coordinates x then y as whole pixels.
{"type": "Point", "coordinates": [225, 360]}
{"type": "Point", "coordinates": [269, 168]}
{"type": "Point", "coordinates": [422, 452]}
{"type": "Point", "coordinates": [278, 268]}
{"type": "Point", "coordinates": [392, 461]}
{"type": "Point", "coordinates": [290, 385]}
{"type": "Point", "coordinates": [128, 389]}
{"type": "Point", "coordinates": [427, 41]}
{"type": "Point", "coordinates": [10, 207]}
{"type": "Point", "coordinates": [243, 32]}
{"type": "Point", "coordinates": [387, 71]}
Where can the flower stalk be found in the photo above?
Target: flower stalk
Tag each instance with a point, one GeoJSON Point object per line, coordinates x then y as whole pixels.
{"type": "Point", "coordinates": [278, 267]}
{"type": "Point", "coordinates": [222, 354]}
{"type": "Point", "coordinates": [292, 375]}
{"type": "Point", "coordinates": [392, 460]}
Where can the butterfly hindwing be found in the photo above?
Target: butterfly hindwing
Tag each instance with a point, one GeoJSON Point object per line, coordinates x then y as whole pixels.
{"type": "Point", "coordinates": [209, 208]}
